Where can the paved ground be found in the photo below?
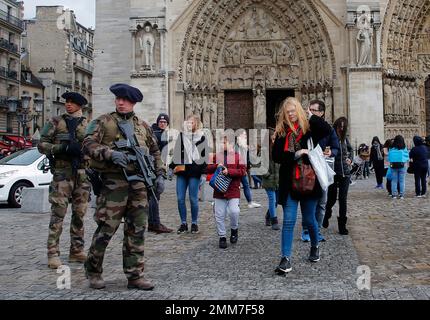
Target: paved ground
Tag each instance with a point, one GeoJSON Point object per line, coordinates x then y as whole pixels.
{"type": "Point", "coordinates": [389, 236]}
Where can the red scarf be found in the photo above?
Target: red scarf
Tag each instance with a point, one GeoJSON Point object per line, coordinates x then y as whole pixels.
{"type": "Point", "coordinates": [290, 132]}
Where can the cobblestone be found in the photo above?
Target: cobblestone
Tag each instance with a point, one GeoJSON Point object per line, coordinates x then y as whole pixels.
{"type": "Point", "coordinates": [387, 235]}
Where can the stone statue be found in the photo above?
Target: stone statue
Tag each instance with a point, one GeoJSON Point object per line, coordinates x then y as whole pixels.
{"type": "Point", "coordinates": [259, 106]}
{"type": "Point", "coordinates": [206, 112]}
{"type": "Point", "coordinates": [188, 105]}
{"type": "Point", "coordinates": [405, 100]}
{"type": "Point", "coordinates": [213, 108]}
{"type": "Point", "coordinates": [364, 40]}
{"type": "Point", "coordinates": [411, 95]}
{"type": "Point", "coordinates": [388, 97]}
{"type": "Point", "coordinates": [147, 42]}
{"type": "Point", "coordinates": [305, 100]}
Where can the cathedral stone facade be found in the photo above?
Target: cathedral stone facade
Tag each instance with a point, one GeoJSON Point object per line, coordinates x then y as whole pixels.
{"type": "Point", "coordinates": [233, 61]}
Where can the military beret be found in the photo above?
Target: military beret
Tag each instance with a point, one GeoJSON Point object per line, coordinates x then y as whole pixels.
{"type": "Point", "coordinates": [121, 90]}
{"type": "Point", "coordinates": [75, 98]}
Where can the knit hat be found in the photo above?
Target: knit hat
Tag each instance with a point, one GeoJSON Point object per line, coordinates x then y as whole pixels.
{"type": "Point", "coordinates": [163, 116]}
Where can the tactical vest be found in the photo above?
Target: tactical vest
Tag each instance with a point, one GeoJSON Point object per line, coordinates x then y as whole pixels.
{"type": "Point", "coordinates": [112, 134]}
{"type": "Point", "coordinates": [64, 161]}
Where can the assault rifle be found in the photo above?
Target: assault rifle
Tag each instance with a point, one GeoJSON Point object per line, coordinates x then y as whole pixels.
{"type": "Point", "coordinates": [139, 157]}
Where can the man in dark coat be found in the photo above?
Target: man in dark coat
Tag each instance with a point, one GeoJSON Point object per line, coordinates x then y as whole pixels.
{"type": "Point", "coordinates": [154, 224]}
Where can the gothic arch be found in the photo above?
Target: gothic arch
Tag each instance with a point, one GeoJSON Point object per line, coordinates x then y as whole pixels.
{"type": "Point", "coordinates": [403, 38]}
{"type": "Point", "coordinates": [210, 37]}
{"type": "Point", "coordinates": [406, 61]}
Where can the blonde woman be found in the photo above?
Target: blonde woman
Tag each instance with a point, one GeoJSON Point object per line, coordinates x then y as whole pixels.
{"type": "Point", "coordinates": [293, 129]}
{"type": "Point", "coordinates": [189, 163]}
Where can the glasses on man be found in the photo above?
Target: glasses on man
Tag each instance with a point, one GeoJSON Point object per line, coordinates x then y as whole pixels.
{"type": "Point", "coordinates": [314, 110]}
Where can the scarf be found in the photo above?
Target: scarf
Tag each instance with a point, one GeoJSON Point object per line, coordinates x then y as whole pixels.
{"type": "Point", "coordinates": [378, 151]}
{"type": "Point", "coordinates": [77, 114]}
{"type": "Point", "coordinates": [190, 140]}
{"type": "Point", "coordinates": [293, 137]}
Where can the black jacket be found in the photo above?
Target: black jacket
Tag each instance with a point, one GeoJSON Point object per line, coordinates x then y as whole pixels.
{"type": "Point", "coordinates": [158, 133]}
{"type": "Point", "coordinates": [192, 169]}
{"type": "Point", "coordinates": [345, 152]}
{"type": "Point", "coordinates": [419, 154]}
{"type": "Point", "coordinates": [318, 130]}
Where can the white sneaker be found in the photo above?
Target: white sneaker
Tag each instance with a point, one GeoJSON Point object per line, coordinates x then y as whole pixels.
{"type": "Point", "coordinates": [253, 204]}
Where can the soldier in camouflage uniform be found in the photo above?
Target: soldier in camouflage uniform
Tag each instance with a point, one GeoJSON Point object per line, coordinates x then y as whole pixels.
{"type": "Point", "coordinates": [61, 141]}
{"type": "Point", "coordinates": [120, 198]}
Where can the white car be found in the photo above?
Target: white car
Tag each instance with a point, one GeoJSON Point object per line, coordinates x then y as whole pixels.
{"type": "Point", "coordinates": [22, 169]}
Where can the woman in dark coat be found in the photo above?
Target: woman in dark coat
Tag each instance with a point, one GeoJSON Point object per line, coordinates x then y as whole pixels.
{"type": "Point", "coordinates": [293, 130]}
{"type": "Point", "coordinates": [377, 160]}
{"type": "Point", "coordinates": [419, 163]}
{"type": "Point", "coordinates": [189, 163]}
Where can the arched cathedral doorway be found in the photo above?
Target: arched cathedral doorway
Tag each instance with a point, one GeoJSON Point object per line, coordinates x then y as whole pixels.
{"type": "Point", "coordinates": [239, 58]}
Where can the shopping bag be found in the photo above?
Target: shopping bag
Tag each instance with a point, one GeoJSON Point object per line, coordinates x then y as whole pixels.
{"type": "Point", "coordinates": [219, 181]}
{"type": "Point", "coordinates": [324, 173]}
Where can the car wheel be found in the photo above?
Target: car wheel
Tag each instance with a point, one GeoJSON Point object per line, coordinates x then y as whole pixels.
{"type": "Point", "coordinates": [15, 193]}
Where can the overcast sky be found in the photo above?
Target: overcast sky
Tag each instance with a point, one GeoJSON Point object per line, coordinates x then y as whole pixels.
{"type": "Point", "coordinates": [85, 10]}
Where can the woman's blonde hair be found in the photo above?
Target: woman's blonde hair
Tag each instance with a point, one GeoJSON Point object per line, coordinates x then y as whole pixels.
{"type": "Point", "coordinates": [197, 120]}
{"type": "Point", "coordinates": [283, 121]}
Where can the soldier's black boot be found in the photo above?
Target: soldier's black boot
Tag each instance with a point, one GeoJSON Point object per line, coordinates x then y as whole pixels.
{"type": "Point", "coordinates": [234, 236]}
{"type": "Point", "coordinates": [341, 222]}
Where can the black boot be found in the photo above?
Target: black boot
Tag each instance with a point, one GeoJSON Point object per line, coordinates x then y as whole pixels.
{"type": "Point", "coordinates": [268, 219]}
{"type": "Point", "coordinates": [341, 222]}
{"type": "Point", "coordinates": [325, 223]}
{"type": "Point", "coordinates": [234, 236]}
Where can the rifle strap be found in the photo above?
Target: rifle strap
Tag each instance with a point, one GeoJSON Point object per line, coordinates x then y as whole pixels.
{"type": "Point", "coordinates": [131, 123]}
{"type": "Point", "coordinates": [72, 124]}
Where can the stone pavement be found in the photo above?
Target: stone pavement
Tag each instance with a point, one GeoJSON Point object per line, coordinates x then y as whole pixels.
{"type": "Point", "coordinates": [389, 236]}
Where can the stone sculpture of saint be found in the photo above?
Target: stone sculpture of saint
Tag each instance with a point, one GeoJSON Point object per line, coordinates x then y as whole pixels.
{"type": "Point", "coordinates": [260, 106]}
{"type": "Point", "coordinates": [364, 41]}
{"type": "Point", "coordinates": [147, 42]}
{"type": "Point", "coordinates": [388, 97]}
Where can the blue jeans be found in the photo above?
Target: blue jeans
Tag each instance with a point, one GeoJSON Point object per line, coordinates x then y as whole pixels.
{"type": "Point", "coordinates": [308, 208]}
{"type": "Point", "coordinates": [273, 202]}
{"type": "Point", "coordinates": [182, 183]}
{"type": "Point", "coordinates": [319, 211]}
{"type": "Point", "coordinates": [246, 188]}
{"type": "Point", "coordinates": [398, 175]}
{"type": "Point", "coordinates": [257, 180]}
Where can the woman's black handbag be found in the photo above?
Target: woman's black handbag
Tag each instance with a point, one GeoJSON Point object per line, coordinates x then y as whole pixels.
{"type": "Point", "coordinates": [411, 169]}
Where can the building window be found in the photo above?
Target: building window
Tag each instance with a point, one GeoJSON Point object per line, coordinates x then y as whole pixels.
{"type": "Point", "coordinates": [58, 94]}
{"type": "Point", "coordinates": [9, 126]}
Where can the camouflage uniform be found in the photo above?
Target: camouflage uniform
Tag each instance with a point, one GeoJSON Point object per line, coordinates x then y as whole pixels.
{"type": "Point", "coordinates": [66, 186]}
{"type": "Point", "coordinates": [119, 198]}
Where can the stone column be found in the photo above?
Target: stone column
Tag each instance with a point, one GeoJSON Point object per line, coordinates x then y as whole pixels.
{"type": "Point", "coordinates": [378, 45]}
{"type": "Point", "coordinates": [362, 126]}
{"type": "Point", "coordinates": [133, 49]}
{"type": "Point", "coordinates": [162, 54]}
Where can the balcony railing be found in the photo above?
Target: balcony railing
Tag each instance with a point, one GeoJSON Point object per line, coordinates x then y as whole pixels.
{"type": "Point", "coordinates": [84, 66]}
{"type": "Point", "coordinates": [11, 19]}
{"type": "Point", "coordinates": [10, 74]}
{"type": "Point", "coordinates": [8, 46]}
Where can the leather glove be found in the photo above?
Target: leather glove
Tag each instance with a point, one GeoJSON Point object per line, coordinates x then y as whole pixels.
{"type": "Point", "coordinates": [159, 185]}
{"type": "Point", "coordinates": [119, 159]}
{"type": "Point", "coordinates": [74, 149]}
